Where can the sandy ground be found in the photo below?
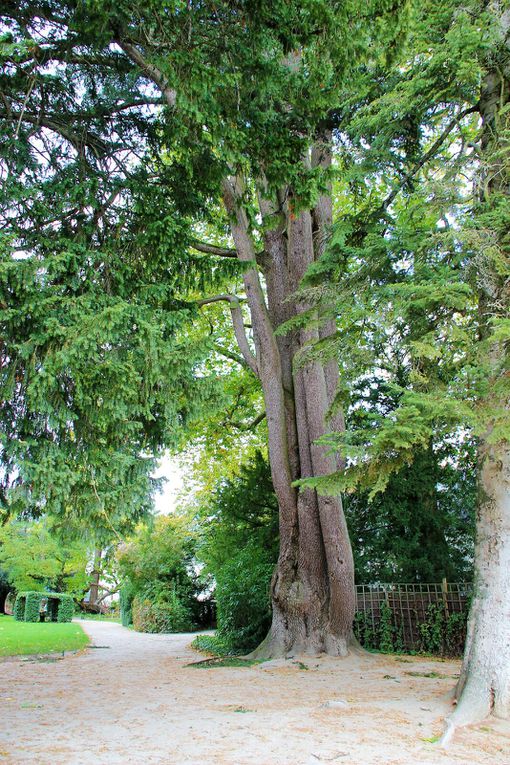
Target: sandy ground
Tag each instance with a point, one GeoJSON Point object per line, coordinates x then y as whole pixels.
{"type": "Point", "coordinates": [133, 699]}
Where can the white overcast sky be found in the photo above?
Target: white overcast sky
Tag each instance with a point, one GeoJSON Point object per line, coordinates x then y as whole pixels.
{"type": "Point", "coordinates": [170, 469]}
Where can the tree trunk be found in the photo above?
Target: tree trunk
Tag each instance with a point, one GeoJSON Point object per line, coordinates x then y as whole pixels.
{"type": "Point", "coordinates": [484, 685]}
{"type": "Point", "coordinates": [313, 584]}
{"type": "Point", "coordinates": [4, 591]}
{"type": "Point", "coordinates": [94, 583]}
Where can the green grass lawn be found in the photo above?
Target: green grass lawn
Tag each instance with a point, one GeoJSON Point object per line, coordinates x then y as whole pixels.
{"type": "Point", "coordinates": [98, 617]}
{"type": "Point", "coordinates": [43, 637]}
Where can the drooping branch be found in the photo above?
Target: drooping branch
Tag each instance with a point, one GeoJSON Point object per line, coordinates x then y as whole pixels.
{"type": "Point", "coordinates": [61, 127]}
{"type": "Point", "coordinates": [238, 324]}
{"type": "Point", "coordinates": [427, 156]}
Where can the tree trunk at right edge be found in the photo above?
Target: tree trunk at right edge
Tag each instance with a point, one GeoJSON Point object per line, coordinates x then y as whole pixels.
{"type": "Point", "coordinates": [484, 685]}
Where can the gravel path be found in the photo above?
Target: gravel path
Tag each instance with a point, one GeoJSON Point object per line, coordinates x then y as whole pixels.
{"type": "Point", "coordinates": [133, 699]}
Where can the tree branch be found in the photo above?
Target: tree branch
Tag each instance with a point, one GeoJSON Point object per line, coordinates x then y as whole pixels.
{"type": "Point", "coordinates": [222, 252]}
{"type": "Point", "coordinates": [428, 155]}
{"type": "Point", "coordinates": [213, 249]}
{"type": "Point", "coordinates": [85, 138]}
{"type": "Point", "coordinates": [251, 425]}
{"type": "Point", "coordinates": [231, 355]}
{"type": "Point", "coordinates": [238, 324]}
{"type": "Point", "coordinates": [155, 74]}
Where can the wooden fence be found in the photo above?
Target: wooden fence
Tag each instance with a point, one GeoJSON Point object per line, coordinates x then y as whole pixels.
{"type": "Point", "coordinates": [413, 617]}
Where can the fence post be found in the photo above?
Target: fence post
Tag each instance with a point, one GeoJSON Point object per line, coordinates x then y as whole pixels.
{"type": "Point", "coordinates": [444, 587]}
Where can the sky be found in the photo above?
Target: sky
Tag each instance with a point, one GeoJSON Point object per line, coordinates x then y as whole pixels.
{"type": "Point", "coordinates": [169, 468]}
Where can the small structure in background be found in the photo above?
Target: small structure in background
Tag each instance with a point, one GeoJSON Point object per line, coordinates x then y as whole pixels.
{"type": "Point", "coordinates": [35, 606]}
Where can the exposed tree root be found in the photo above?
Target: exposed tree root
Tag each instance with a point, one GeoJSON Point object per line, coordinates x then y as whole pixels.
{"type": "Point", "coordinates": [475, 705]}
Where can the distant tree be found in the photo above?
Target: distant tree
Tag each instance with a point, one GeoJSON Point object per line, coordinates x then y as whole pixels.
{"type": "Point", "coordinates": [421, 527]}
{"type": "Point", "coordinates": [157, 565]}
{"type": "Point", "coordinates": [241, 510]}
{"type": "Point", "coordinates": [34, 558]}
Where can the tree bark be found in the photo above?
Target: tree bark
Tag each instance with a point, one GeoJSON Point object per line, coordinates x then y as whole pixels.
{"type": "Point", "coordinates": [313, 584]}
{"type": "Point", "coordinates": [484, 685]}
{"type": "Point", "coordinates": [94, 583]}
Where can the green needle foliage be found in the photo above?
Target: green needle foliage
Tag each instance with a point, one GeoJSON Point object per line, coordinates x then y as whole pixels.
{"type": "Point", "coordinates": [239, 545]}
{"type": "Point", "coordinates": [408, 257]}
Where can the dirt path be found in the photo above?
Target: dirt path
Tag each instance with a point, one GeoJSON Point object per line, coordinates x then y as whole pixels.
{"type": "Point", "coordinates": [136, 701]}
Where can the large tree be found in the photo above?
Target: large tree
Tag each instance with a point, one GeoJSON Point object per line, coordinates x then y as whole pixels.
{"type": "Point", "coordinates": [484, 685]}
{"type": "Point", "coordinates": [247, 94]}
{"type": "Point", "coordinates": [427, 254]}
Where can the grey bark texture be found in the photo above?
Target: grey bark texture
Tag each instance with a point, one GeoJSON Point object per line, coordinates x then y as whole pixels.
{"type": "Point", "coordinates": [313, 584]}
{"type": "Point", "coordinates": [484, 685]}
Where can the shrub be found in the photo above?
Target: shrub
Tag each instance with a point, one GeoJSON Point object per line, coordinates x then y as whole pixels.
{"type": "Point", "coordinates": [243, 599]}
{"type": "Point", "coordinates": [162, 615]}
{"type": "Point", "coordinates": [19, 608]}
{"type": "Point", "coordinates": [65, 608]}
{"type": "Point", "coordinates": [438, 634]}
{"type": "Point", "coordinates": [126, 596]}
{"type": "Point", "coordinates": [33, 606]}
{"type": "Point", "coordinates": [386, 629]}
{"type": "Point", "coordinates": [431, 630]}
{"type": "Point", "coordinates": [455, 633]}
{"type": "Point", "coordinates": [213, 644]}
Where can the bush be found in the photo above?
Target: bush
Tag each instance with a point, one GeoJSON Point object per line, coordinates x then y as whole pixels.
{"type": "Point", "coordinates": [162, 615]}
{"type": "Point", "coordinates": [126, 596]}
{"type": "Point", "coordinates": [19, 608]}
{"type": "Point", "coordinates": [439, 634]}
{"type": "Point", "coordinates": [65, 608]}
{"type": "Point", "coordinates": [213, 644]}
{"type": "Point", "coordinates": [33, 606]}
{"type": "Point", "coordinates": [243, 599]}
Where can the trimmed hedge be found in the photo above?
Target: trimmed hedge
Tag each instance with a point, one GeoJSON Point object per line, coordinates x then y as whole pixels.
{"type": "Point", "coordinates": [27, 607]}
{"type": "Point", "coordinates": [126, 593]}
{"type": "Point", "coordinates": [32, 606]}
{"type": "Point", "coordinates": [65, 608]}
{"type": "Point", "coordinates": [19, 608]}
